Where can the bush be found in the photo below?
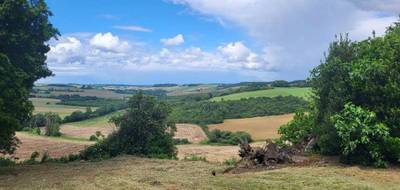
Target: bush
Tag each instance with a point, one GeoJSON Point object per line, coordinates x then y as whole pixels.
{"type": "Point", "coordinates": [361, 136]}
{"type": "Point", "coordinates": [181, 141]}
{"type": "Point", "coordinates": [226, 137]}
{"type": "Point", "coordinates": [143, 130]}
{"type": "Point", "coordinates": [38, 120]}
{"type": "Point", "coordinates": [298, 129]}
{"type": "Point", "coordinates": [53, 122]}
{"type": "Point", "coordinates": [6, 162]}
{"type": "Point", "coordinates": [93, 138]}
{"type": "Point", "coordinates": [231, 161]}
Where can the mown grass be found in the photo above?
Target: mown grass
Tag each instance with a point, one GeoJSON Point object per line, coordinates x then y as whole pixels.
{"type": "Point", "coordinates": [293, 91]}
{"type": "Point", "coordinates": [139, 173]}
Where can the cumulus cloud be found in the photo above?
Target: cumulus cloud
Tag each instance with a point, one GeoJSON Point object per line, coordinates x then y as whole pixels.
{"type": "Point", "coordinates": [174, 41]}
{"type": "Point", "coordinates": [96, 53]}
{"type": "Point", "coordinates": [297, 32]}
{"type": "Point", "coordinates": [133, 28]}
{"type": "Point", "coordinates": [109, 42]}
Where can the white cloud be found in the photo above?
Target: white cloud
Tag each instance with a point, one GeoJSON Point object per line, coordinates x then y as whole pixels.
{"type": "Point", "coordinates": [110, 42]}
{"type": "Point", "coordinates": [298, 31]}
{"type": "Point", "coordinates": [133, 28]}
{"type": "Point", "coordinates": [174, 41]}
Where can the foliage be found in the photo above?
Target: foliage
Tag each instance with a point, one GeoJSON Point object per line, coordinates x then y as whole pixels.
{"type": "Point", "coordinates": [298, 129]}
{"type": "Point", "coordinates": [355, 101]}
{"type": "Point", "coordinates": [97, 136]}
{"type": "Point", "coordinates": [361, 136]}
{"type": "Point", "coordinates": [104, 110]}
{"type": "Point", "coordinates": [195, 158]}
{"type": "Point", "coordinates": [6, 162]}
{"type": "Point", "coordinates": [38, 120]}
{"type": "Point", "coordinates": [24, 29]}
{"type": "Point", "coordinates": [143, 130]}
{"type": "Point", "coordinates": [181, 141]}
{"type": "Point", "coordinates": [227, 137]}
{"type": "Point", "coordinates": [206, 112]}
{"type": "Point", "coordinates": [53, 122]}
{"type": "Point", "coordinates": [231, 161]}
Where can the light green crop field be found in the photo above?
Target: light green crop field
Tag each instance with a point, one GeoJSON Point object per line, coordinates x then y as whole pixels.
{"type": "Point", "coordinates": [129, 172]}
{"type": "Point", "coordinates": [290, 91]}
{"type": "Point", "coordinates": [97, 121]}
{"type": "Point", "coordinates": [43, 105]}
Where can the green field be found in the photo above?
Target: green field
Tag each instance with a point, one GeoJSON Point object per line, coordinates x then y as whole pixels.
{"type": "Point", "coordinates": [97, 121]}
{"type": "Point", "coordinates": [44, 105]}
{"type": "Point", "coordinates": [293, 91]}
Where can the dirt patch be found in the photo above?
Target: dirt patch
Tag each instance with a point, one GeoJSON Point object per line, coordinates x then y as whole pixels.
{"type": "Point", "coordinates": [55, 147]}
{"type": "Point", "coordinates": [86, 132]}
{"type": "Point", "coordinates": [260, 128]}
{"type": "Point", "coordinates": [211, 153]}
{"type": "Point", "coordinates": [193, 133]}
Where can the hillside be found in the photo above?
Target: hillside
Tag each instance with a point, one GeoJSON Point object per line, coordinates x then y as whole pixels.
{"type": "Point", "coordinates": [129, 172]}
{"type": "Point", "coordinates": [284, 91]}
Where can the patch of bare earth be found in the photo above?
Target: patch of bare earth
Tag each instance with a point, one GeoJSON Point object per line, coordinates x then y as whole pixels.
{"type": "Point", "coordinates": [86, 132]}
{"type": "Point", "coordinates": [193, 133]}
{"type": "Point", "coordinates": [260, 128]}
{"type": "Point", "coordinates": [54, 147]}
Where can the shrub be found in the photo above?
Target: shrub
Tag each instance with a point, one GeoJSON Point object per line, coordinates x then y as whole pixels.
{"type": "Point", "coordinates": [361, 136]}
{"type": "Point", "coordinates": [226, 137]}
{"type": "Point", "coordinates": [143, 130]}
{"type": "Point", "coordinates": [53, 122]}
{"type": "Point", "coordinates": [298, 129]}
{"type": "Point", "coordinates": [93, 138]}
{"type": "Point", "coordinates": [181, 141]}
{"type": "Point", "coordinates": [231, 161]}
{"type": "Point", "coordinates": [38, 120]}
{"type": "Point", "coordinates": [6, 162]}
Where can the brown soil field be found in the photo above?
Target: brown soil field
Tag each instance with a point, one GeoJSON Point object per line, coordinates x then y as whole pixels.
{"type": "Point", "coordinates": [193, 133]}
{"type": "Point", "coordinates": [55, 147]}
{"type": "Point", "coordinates": [85, 132]}
{"type": "Point", "coordinates": [260, 128]}
{"type": "Point", "coordinates": [211, 153]}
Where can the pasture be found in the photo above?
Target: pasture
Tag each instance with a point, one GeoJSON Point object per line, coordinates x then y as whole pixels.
{"type": "Point", "coordinates": [128, 172]}
{"type": "Point", "coordinates": [289, 91]}
{"type": "Point", "coordinates": [260, 128]}
{"type": "Point", "coordinates": [43, 105]}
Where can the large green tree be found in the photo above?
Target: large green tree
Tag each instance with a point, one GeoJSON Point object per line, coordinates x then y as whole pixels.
{"type": "Point", "coordinates": [24, 31]}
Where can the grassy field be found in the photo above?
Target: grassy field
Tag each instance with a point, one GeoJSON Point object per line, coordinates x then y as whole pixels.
{"type": "Point", "coordinates": [300, 92]}
{"type": "Point", "coordinates": [260, 128]}
{"type": "Point", "coordinates": [43, 105]}
{"type": "Point", "coordinates": [139, 173]}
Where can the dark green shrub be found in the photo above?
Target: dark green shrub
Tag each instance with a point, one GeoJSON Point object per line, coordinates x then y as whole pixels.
{"type": "Point", "coordinates": [144, 129]}
{"type": "Point", "coordinates": [93, 138]}
{"type": "Point", "coordinates": [38, 120]}
{"type": "Point", "coordinates": [6, 162]}
{"type": "Point", "coordinates": [226, 137]}
{"type": "Point", "coordinates": [181, 141]}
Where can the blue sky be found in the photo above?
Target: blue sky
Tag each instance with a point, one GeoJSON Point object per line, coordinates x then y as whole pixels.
{"type": "Point", "coordinates": [202, 41]}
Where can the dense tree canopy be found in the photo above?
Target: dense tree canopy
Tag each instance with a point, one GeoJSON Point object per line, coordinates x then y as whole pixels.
{"type": "Point", "coordinates": [24, 29]}
{"type": "Point", "coordinates": [365, 76]}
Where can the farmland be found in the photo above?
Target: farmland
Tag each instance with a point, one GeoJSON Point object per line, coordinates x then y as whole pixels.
{"type": "Point", "coordinates": [260, 128]}
{"type": "Point", "coordinates": [43, 105]}
{"type": "Point", "coordinates": [292, 91]}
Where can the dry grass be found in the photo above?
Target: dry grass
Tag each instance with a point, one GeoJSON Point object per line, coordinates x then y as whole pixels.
{"type": "Point", "coordinates": [211, 153]}
{"type": "Point", "coordinates": [138, 173]}
{"type": "Point", "coordinates": [260, 128]}
{"type": "Point", "coordinates": [193, 133]}
{"type": "Point", "coordinates": [86, 132]}
{"type": "Point", "coordinates": [56, 147]}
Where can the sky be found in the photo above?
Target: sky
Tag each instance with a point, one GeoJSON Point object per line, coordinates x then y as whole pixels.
{"type": "Point", "coordinates": [203, 41]}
